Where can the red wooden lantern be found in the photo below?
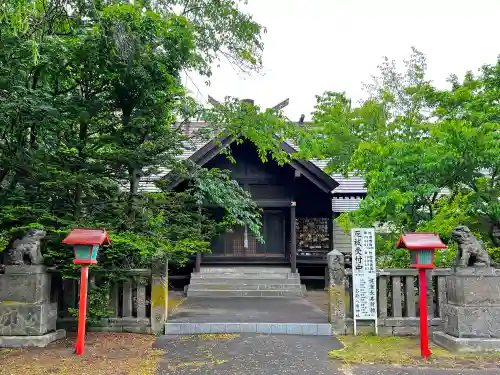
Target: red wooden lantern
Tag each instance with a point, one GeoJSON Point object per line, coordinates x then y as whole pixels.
{"type": "Point", "coordinates": [86, 244]}
{"type": "Point", "coordinates": [422, 247]}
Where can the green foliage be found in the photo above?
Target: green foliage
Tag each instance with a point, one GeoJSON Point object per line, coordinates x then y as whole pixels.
{"type": "Point", "coordinates": [450, 211]}
{"type": "Point", "coordinates": [430, 158]}
{"type": "Point", "coordinates": [92, 105]}
{"type": "Point", "coordinates": [222, 31]}
{"type": "Point", "coordinates": [215, 187]}
{"type": "Point", "coordinates": [98, 304]}
{"type": "Point", "coordinates": [495, 255]}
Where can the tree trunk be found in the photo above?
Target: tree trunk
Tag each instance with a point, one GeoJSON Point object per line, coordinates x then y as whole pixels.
{"type": "Point", "coordinates": [3, 175]}
{"type": "Point", "coordinates": [13, 183]}
{"type": "Point", "coordinates": [134, 178]}
{"type": "Point", "coordinates": [78, 201]}
{"type": "Point", "coordinates": [82, 137]}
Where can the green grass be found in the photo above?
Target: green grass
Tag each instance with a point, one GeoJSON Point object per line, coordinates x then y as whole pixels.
{"type": "Point", "coordinates": [405, 351]}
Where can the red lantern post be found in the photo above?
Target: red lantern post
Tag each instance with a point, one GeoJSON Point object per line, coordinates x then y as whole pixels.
{"type": "Point", "coordinates": [86, 244]}
{"type": "Point", "coordinates": [422, 247]}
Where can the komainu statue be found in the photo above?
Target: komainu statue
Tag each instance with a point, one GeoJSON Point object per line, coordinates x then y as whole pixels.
{"type": "Point", "coordinates": [471, 251]}
{"type": "Point", "coordinates": [27, 247]}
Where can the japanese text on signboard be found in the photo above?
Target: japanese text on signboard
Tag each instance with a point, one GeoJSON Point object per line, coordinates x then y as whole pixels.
{"type": "Point", "coordinates": [364, 273]}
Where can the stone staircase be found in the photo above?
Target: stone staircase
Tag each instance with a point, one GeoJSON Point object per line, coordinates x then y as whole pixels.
{"type": "Point", "coordinates": [245, 281]}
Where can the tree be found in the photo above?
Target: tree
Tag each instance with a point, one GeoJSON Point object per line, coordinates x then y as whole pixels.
{"type": "Point", "coordinates": [92, 103]}
{"type": "Point", "coordinates": [470, 137]}
{"type": "Point", "coordinates": [222, 31]}
{"type": "Point", "coordinates": [423, 153]}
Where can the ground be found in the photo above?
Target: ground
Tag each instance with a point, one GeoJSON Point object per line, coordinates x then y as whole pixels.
{"type": "Point", "coordinates": [318, 298]}
{"type": "Point", "coordinates": [247, 310]}
{"type": "Point", "coordinates": [235, 354]}
{"type": "Point", "coordinates": [175, 300]}
{"type": "Point", "coordinates": [105, 353]}
{"type": "Point", "coordinates": [246, 355]}
{"type": "Point", "coordinates": [405, 351]}
{"type": "Point", "coordinates": [308, 355]}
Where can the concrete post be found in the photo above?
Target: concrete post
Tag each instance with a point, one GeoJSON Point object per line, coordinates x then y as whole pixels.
{"type": "Point", "coordinates": [336, 292]}
{"type": "Point", "coordinates": [159, 299]}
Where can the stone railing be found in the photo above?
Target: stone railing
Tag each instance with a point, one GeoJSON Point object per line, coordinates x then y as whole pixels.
{"type": "Point", "coordinates": [398, 310]}
{"type": "Point", "coordinates": [137, 301]}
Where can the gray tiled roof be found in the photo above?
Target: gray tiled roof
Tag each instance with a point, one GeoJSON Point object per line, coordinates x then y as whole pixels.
{"type": "Point", "coordinates": [344, 204]}
{"type": "Point", "coordinates": [195, 143]}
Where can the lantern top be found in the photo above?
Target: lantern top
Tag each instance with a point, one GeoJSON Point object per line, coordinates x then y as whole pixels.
{"type": "Point", "coordinates": [87, 237]}
{"type": "Point", "coordinates": [420, 241]}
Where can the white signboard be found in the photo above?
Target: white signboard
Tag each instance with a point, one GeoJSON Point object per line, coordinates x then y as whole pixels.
{"type": "Point", "coordinates": [364, 276]}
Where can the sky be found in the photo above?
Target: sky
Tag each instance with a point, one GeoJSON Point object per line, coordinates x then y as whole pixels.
{"type": "Point", "coordinates": [313, 46]}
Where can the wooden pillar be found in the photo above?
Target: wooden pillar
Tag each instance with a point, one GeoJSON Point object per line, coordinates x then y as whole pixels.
{"type": "Point", "coordinates": [198, 254]}
{"type": "Point", "coordinates": [327, 277]}
{"type": "Point", "coordinates": [330, 231]}
{"type": "Point", "coordinates": [198, 261]}
{"type": "Point", "coordinates": [293, 226]}
{"type": "Point", "coordinates": [293, 238]}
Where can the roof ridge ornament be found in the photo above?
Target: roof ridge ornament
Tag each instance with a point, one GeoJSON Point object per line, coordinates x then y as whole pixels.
{"type": "Point", "coordinates": [277, 107]}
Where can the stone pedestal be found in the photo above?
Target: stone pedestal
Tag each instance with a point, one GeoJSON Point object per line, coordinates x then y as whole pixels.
{"type": "Point", "coordinates": [27, 317]}
{"type": "Point", "coordinates": [472, 314]}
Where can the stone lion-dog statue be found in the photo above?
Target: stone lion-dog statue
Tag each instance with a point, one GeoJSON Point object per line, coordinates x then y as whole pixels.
{"type": "Point", "coordinates": [471, 251]}
{"type": "Point", "coordinates": [27, 247]}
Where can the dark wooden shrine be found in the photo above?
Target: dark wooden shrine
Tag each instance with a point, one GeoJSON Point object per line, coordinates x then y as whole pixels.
{"type": "Point", "coordinates": [296, 200]}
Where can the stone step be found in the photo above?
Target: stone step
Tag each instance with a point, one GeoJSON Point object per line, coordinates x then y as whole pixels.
{"type": "Point", "coordinates": [244, 293]}
{"type": "Point", "coordinates": [244, 269]}
{"type": "Point", "coordinates": [261, 275]}
{"type": "Point", "coordinates": [307, 329]}
{"type": "Point", "coordinates": [204, 287]}
{"type": "Point", "coordinates": [244, 281]}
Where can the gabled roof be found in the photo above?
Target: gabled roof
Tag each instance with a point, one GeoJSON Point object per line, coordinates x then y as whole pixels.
{"type": "Point", "coordinates": [352, 186]}
{"type": "Point", "coordinates": [82, 236]}
{"type": "Point", "coordinates": [314, 174]}
{"type": "Point", "coordinates": [420, 240]}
